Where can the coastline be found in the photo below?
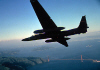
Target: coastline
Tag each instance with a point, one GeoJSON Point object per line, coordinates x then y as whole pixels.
{"type": "Point", "coordinates": [19, 63]}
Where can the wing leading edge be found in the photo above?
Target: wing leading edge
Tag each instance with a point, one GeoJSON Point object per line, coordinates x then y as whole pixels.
{"type": "Point", "coordinates": [45, 20]}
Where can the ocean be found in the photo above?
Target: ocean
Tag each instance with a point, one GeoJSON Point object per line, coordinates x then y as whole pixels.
{"type": "Point", "coordinates": [67, 65]}
{"type": "Point", "coordinates": [72, 52]}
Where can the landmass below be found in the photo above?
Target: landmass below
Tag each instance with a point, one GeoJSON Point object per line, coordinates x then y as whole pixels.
{"type": "Point", "coordinates": [19, 63]}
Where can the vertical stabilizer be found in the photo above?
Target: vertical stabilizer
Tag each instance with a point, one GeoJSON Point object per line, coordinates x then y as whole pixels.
{"type": "Point", "coordinates": [83, 23]}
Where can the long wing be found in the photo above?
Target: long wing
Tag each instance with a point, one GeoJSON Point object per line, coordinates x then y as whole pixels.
{"type": "Point", "coordinates": [63, 42]}
{"type": "Point", "coordinates": [45, 20]}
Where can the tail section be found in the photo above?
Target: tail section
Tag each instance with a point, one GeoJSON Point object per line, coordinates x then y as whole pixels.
{"type": "Point", "coordinates": [83, 23]}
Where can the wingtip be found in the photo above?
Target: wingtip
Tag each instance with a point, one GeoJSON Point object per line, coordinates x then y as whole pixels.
{"type": "Point", "coordinates": [66, 45]}
{"type": "Point", "coordinates": [23, 40]}
{"type": "Point", "coordinates": [26, 39]}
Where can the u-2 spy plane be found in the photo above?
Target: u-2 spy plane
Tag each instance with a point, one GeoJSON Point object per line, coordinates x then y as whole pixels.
{"type": "Point", "coordinates": [50, 30]}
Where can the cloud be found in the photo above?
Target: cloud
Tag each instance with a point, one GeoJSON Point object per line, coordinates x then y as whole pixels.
{"type": "Point", "coordinates": [89, 46]}
{"type": "Point", "coordinates": [84, 39]}
{"type": "Point", "coordinates": [19, 43]}
{"type": "Point", "coordinates": [40, 49]}
{"type": "Point", "coordinates": [9, 52]}
{"type": "Point", "coordinates": [43, 48]}
{"type": "Point", "coordinates": [87, 36]}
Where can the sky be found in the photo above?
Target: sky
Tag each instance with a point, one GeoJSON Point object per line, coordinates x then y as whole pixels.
{"type": "Point", "coordinates": [18, 19]}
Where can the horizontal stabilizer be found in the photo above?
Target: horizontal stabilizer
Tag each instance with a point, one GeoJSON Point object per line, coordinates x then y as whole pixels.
{"type": "Point", "coordinates": [63, 42]}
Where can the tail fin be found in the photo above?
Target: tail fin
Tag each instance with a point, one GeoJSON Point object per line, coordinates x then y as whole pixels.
{"type": "Point", "coordinates": [83, 23]}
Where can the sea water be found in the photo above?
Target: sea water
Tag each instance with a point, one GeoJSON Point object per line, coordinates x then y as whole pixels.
{"type": "Point", "coordinates": [67, 65]}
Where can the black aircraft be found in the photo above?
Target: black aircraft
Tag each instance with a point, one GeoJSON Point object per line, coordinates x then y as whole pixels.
{"type": "Point", "coordinates": [50, 30]}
